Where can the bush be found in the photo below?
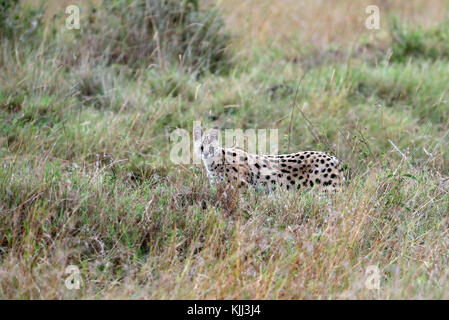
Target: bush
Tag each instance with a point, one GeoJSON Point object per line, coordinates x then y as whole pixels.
{"type": "Point", "coordinates": [432, 43]}
{"type": "Point", "coordinates": [128, 32]}
{"type": "Point", "coordinates": [161, 32]}
{"type": "Point", "coordinates": [19, 23]}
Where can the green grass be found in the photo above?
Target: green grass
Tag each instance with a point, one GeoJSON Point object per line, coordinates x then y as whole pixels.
{"type": "Point", "coordinates": [86, 180]}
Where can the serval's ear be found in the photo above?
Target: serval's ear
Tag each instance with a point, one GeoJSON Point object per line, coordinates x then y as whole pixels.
{"type": "Point", "coordinates": [197, 133]}
{"type": "Point", "coordinates": [214, 134]}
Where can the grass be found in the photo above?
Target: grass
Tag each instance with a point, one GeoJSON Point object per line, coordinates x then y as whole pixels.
{"type": "Point", "coordinates": [85, 176]}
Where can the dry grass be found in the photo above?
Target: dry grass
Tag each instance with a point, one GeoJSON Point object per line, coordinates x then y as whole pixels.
{"type": "Point", "coordinates": [290, 24]}
{"type": "Point", "coordinates": [85, 178]}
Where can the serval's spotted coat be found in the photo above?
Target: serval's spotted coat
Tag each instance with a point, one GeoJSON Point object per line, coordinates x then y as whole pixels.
{"type": "Point", "coordinates": [292, 171]}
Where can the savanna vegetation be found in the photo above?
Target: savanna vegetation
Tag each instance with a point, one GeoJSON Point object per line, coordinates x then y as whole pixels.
{"type": "Point", "coordinates": [86, 177]}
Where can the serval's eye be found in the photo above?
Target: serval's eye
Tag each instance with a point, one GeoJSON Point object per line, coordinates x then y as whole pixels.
{"type": "Point", "coordinates": [211, 150]}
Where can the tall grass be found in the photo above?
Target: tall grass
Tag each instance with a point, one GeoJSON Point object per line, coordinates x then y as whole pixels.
{"type": "Point", "coordinates": [85, 178]}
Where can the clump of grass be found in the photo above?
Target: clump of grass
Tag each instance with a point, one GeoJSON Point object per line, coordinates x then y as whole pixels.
{"type": "Point", "coordinates": [20, 23]}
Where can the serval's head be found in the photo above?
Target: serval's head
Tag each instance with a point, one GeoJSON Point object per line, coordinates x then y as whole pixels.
{"type": "Point", "coordinates": [206, 145]}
